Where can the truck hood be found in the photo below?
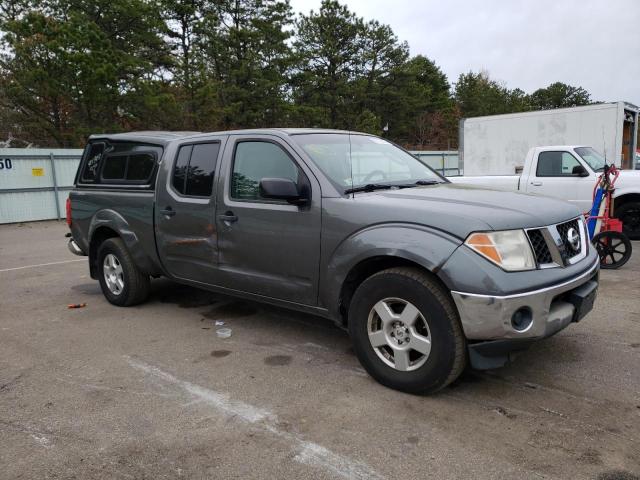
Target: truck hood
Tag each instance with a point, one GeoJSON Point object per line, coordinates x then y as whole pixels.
{"type": "Point", "coordinates": [467, 208]}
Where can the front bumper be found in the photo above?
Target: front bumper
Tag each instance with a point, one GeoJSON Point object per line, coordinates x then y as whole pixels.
{"type": "Point", "coordinates": [489, 318]}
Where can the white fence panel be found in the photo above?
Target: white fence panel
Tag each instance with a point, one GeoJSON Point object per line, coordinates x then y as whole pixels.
{"type": "Point", "coordinates": [34, 182]}
{"type": "Point", "coordinates": [445, 162]}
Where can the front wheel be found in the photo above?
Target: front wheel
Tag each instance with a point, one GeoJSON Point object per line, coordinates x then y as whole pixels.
{"type": "Point", "coordinates": [122, 283]}
{"type": "Point", "coordinates": [406, 332]}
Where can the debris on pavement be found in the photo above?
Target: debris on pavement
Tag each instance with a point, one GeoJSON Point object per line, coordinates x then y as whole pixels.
{"type": "Point", "coordinates": [219, 323]}
{"type": "Point", "coordinates": [76, 305]}
{"type": "Point", "coordinates": [223, 332]}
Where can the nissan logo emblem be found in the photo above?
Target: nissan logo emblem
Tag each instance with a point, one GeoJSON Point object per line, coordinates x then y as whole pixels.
{"type": "Point", "coordinates": [573, 237]}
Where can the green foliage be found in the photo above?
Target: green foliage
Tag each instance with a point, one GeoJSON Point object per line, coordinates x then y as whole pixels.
{"type": "Point", "coordinates": [415, 90]}
{"type": "Point", "coordinates": [72, 63]}
{"type": "Point", "coordinates": [560, 95]}
{"type": "Point", "coordinates": [247, 53]}
{"type": "Point", "coordinates": [476, 94]}
{"type": "Point", "coordinates": [69, 68]}
{"type": "Point", "coordinates": [329, 48]}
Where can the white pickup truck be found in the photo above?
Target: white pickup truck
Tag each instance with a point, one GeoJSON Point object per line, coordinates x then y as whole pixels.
{"type": "Point", "coordinates": [569, 172]}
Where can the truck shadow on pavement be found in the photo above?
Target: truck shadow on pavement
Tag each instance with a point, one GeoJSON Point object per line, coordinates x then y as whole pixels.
{"type": "Point", "coordinates": [278, 329]}
{"type": "Point", "coordinates": [323, 338]}
{"type": "Point", "coordinates": [222, 307]}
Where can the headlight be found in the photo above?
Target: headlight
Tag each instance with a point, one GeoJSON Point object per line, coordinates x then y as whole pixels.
{"type": "Point", "coordinates": [508, 249]}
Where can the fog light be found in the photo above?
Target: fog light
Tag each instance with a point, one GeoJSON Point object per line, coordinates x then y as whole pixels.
{"type": "Point", "coordinates": [522, 319]}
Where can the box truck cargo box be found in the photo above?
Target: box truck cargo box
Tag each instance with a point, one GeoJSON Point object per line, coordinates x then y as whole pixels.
{"type": "Point", "coordinates": [498, 144]}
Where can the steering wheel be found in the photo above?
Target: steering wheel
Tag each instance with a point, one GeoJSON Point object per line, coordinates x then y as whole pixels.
{"type": "Point", "coordinates": [373, 174]}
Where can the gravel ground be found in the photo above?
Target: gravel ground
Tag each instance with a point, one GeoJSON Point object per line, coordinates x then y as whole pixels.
{"type": "Point", "coordinates": [151, 392]}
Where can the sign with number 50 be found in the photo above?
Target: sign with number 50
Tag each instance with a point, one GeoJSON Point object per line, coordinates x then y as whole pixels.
{"type": "Point", "coordinates": [6, 164]}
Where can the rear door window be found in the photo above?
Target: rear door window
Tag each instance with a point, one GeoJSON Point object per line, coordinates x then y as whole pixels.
{"type": "Point", "coordinates": [194, 169]}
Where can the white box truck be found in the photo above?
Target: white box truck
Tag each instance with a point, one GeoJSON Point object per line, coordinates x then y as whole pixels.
{"type": "Point", "coordinates": [498, 144]}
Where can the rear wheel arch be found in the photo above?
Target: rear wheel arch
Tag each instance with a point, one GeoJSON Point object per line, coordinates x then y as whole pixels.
{"type": "Point", "coordinates": [121, 281]}
{"type": "Point", "coordinates": [98, 237]}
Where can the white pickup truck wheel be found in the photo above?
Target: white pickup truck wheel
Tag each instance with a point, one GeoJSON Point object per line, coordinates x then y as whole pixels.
{"type": "Point", "coordinates": [629, 215]}
{"type": "Point", "coordinates": [406, 332]}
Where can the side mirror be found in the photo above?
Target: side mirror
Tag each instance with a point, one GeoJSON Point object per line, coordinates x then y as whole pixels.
{"type": "Point", "coordinates": [282, 189]}
{"type": "Point", "coordinates": [580, 171]}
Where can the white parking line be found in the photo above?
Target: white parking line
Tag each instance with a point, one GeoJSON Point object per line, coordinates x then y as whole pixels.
{"type": "Point", "coordinates": [308, 453]}
{"type": "Point", "coordinates": [42, 265]}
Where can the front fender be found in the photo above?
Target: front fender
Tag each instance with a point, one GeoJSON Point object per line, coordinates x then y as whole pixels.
{"type": "Point", "coordinates": [621, 192]}
{"type": "Point", "coordinates": [114, 221]}
{"type": "Point", "coordinates": [427, 247]}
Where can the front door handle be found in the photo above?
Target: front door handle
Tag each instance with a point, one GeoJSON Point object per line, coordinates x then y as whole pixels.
{"type": "Point", "coordinates": [228, 217]}
{"type": "Point", "coordinates": [536, 184]}
{"type": "Point", "coordinates": [168, 211]}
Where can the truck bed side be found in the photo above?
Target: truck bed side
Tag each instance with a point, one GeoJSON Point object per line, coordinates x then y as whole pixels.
{"type": "Point", "coordinates": [114, 196]}
{"type": "Point", "coordinates": [105, 212]}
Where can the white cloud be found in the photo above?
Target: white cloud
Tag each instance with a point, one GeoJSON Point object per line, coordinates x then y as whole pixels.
{"type": "Point", "coordinates": [524, 43]}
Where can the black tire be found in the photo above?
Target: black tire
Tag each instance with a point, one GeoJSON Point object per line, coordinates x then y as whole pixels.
{"type": "Point", "coordinates": [614, 249]}
{"type": "Point", "coordinates": [629, 215]}
{"type": "Point", "coordinates": [135, 287]}
{"type": "Point", "coordinates": [447, 357]}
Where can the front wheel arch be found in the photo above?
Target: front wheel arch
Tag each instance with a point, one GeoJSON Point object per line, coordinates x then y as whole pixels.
{"type": "Point", "coordinates": [369, 267]}
{"type": "Point", "coordinates": [627, 209]}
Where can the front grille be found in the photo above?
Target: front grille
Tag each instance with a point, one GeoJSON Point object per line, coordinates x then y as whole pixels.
{"type": "Point", "coordinates": [540, 247]}
{"type": "Point", "coordinates": [552, 245]}
{"type": "Point", "coordinates": [563, 229]}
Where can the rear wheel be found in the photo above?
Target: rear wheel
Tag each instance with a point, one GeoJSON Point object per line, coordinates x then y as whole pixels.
{"type": "Point", "coordinates": [614, 249]}
{"type": "Point", "coordinates": [629, 215]}
{"type": "Point", "coordinates": [122, 283]}
{"type": "Point", "coordinates": [406, 331]}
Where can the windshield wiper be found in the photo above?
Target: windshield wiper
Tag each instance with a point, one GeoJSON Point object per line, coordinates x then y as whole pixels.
{"type": "Point", "coordinates": [369, 187]}
{"type": "Point", "coordinates": [419, 183]}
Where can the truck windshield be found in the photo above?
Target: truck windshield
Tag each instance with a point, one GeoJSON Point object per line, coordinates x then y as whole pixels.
{"type": "Point", "coordinates": [592, 157]}
{"type": "Point", "coordinates": [351, 161]}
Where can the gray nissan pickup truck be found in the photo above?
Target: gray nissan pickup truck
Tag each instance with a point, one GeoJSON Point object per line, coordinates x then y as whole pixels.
{"type": "Point", "coordinates": [427, 276]}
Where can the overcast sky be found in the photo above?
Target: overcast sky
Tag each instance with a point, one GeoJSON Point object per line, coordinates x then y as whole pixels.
{"type": "Point", "coordinates": [523, 43]}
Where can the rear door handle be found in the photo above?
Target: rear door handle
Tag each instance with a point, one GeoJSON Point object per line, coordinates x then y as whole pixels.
{"type": "Point", "coordinates": [168, 211]}
{"type": "Point", "coordinates": [228, 217]}
{"type": "Point", "coordinates": [536, 184]}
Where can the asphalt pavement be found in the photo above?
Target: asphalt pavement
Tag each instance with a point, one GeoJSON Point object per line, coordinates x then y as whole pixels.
{"type": "Point", "coordinates": [151, 392]}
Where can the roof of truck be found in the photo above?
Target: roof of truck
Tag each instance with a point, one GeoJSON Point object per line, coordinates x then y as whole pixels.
{"type": "Point", "coordinates": [150, 136]}
{"type": "Point", "coordinates": [164, 137]}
